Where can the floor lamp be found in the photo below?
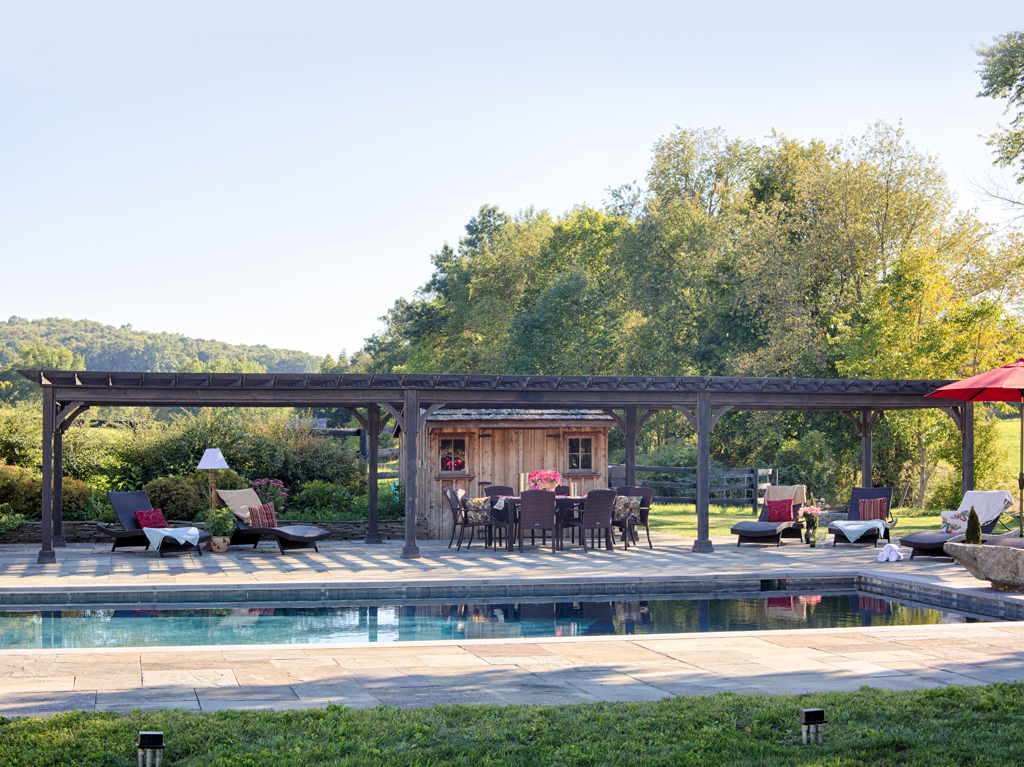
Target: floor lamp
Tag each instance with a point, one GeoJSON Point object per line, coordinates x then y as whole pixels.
{"type": "Point", "coordinates": [212, 460]}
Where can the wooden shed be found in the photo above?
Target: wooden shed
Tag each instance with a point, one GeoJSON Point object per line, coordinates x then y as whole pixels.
{"type": "Point", "coordinates": [471, 449]}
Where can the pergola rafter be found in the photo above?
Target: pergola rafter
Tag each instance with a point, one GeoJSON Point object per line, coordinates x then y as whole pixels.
{"type": "Point", "coordinates": [703, 400]}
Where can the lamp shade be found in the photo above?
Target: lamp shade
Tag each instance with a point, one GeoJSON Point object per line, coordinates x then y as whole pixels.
{"type": "Point", "coordinates": [212, 459]}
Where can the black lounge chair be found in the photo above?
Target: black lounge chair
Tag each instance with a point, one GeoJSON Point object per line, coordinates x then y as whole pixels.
{"type": "Point", "coordinates": [930, 542]}
{"type": "Point", "coordinates": [125, 505]}
{"type": "Point", "coordinates": [853, 515]}
{"type": "Point", "coordinates": [763, 531]}
{"type": "Point", "coordinates": [288, 537]}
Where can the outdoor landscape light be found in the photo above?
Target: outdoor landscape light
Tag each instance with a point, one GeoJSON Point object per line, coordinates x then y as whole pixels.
{"type": "Point", "coordinates": [812, 721]}
{"type": "Point", "coordinates": [212, 460]}
{"type": "Point", "coordinates": [151, 748]}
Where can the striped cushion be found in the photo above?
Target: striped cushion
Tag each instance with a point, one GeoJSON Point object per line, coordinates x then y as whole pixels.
{"type": "Point", "coordinates": [873, 508]}
{"type": "Point", "coordinates": [263, 516]}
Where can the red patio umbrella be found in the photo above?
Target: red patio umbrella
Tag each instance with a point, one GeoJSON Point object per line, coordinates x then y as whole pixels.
{"type": "Point", "coordinates": [1005, 384]}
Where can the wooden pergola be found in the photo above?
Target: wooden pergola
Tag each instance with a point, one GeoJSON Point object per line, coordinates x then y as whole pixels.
{"type": "Point", "coordinates": [411, 399]}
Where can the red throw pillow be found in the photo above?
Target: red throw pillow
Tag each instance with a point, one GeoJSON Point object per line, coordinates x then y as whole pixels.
{"type": "Point", "coordinates": [263, 516]}
{"type": "Point", "coordinates": [781, 510]}
{"type": "Point", "coordinates": [151, 518]}
{"type": "Point", "coordinates": [873, 508]}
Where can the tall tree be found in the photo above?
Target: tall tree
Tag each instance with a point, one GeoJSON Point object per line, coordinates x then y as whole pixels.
{"type": "Point", "coordinates": [1002, 77]}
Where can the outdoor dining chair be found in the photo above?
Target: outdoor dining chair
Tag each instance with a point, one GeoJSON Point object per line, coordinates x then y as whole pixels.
{"type": "Point", "coordinates": [454, 498]}
{"type": "Point", "coordinates": [596, 516]}
{"type": "Point", "coordinates": [537, 512]}
{"type": "Point", "coordinates": [629, 524]}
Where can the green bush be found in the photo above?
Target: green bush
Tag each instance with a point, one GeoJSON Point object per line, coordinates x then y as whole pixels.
{"type": "Point", "coordinates": [321, 500]}
{"type": "Point", "coordinates": [22, 490]}
{"type": "Point", "coordinates": [390, 503]}
{"type": "Point", "coordinates": [323, 458]}
{"type": "Point", "coordinates": [973, 528]}
{"type": "Point", "coordinates": [177, 497]}
{"type": "Point", "coordinates": [21, 435]}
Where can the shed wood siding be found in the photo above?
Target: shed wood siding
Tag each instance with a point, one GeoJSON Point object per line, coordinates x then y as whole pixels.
{"type": "Point", "coordinates": [498, 459]}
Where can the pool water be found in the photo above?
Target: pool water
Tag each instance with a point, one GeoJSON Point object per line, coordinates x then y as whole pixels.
{"type": "Point", "coordinates": [108, 628]}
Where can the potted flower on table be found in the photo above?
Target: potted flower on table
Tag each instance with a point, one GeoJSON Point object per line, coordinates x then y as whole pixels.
{"type": "Point", "coordinates": [543, 479]}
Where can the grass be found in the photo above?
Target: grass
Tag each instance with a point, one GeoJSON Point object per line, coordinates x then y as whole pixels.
{"type": "Point", "coordinates": [681, 519]}
{"type": "Point", "coordinates": [946, 726]}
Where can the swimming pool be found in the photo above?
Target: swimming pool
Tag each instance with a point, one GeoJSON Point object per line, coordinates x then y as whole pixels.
{"type": "Point", "coordinates": [450, 620]}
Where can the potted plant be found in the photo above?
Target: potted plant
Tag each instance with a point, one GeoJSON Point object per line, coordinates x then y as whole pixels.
{"type": "Point", "coordinates": [220, 523]}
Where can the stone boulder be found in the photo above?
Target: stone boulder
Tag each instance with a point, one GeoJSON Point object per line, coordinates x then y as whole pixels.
{"type": "Point", "coordinates": [1000, 562]}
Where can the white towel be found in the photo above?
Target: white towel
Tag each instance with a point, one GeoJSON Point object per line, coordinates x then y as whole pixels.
{"type": "Point", "coordinates": [156, 535]}
{"type": "Point", "coordinates": [890, 553]}
{"type": "Point", "coordinates": [855, 529]}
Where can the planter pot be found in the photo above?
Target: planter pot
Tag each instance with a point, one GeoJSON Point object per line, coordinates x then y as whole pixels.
{"type": "Point", "coordinates": [219, 543]}
{"type": "Point", "coordinates": [1002, 566]}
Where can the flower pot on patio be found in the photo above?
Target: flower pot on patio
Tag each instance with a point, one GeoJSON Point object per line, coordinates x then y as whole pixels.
{"type": "Point", "coordinates": [1001, 565]}
{"type": "Point", "coordinates": [220, 543]}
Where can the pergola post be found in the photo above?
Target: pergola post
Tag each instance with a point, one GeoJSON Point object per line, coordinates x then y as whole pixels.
{"type": "Point", "coordinates": [866, 469]}
{"type": "Point", "coordinates": [372, 432]}
{"type": "Point", "coordinates": [46, 553]}
{"type": "Point", "coordinates": [967, 447]}
{"type": "Point", "coordinates": [58, 489]}
{"type": "Point", "coordinates": [703, 541]}
{"type": "Point", "coordinates": [411, 416]}
{"type": "Point", "coordinates": [630, 431]}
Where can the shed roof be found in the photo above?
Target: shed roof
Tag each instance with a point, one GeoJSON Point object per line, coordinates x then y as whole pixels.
{"type": "Point", "coordinates": [460, 414]}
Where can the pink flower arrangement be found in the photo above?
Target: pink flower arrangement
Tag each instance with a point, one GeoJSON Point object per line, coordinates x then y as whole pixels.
{"type": "Point", "coordinates": [543, 478]}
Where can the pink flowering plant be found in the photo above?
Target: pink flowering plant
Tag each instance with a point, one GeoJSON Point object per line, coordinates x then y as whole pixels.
{"type": "Point", "coordinates": [271, 491]}
{"type": "Point", "coordinates": [811, 514]}
{"type": "Point", "coordinates": [542, 479]}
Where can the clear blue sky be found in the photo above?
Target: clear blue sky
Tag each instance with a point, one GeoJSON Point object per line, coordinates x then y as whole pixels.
{"type": "Point", "coordinates": [280, 173]}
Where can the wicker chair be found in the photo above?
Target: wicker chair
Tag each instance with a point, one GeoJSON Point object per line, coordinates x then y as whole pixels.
{"type": "Point", "coordinates": [454, 498]}
{"type": "Point", "coordinates": [628, 527]}
{"type": "Point", "coordinates": [537, 512]}
{"type": "Point", "coordinates": [125, 505]}
{"type": "Point", "coordinates": [596, 515]}
{"type": "Point", "coordinates": [857, 495]}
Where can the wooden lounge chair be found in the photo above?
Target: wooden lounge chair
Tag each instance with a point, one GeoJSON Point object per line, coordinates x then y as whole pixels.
{"type": "Point", "coordinates": [763, 531]}
{"type": "Point", "coordinates": [288, 537]}
{"type": "Point", "coordinates": [125, 505]}
{"type": "Point", "coordinates": [989, 505]}
{"type": "Point", "coordinates": [853, 515]}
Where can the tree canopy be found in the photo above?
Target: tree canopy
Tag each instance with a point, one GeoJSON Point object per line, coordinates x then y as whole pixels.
{"type": "Point", "coordinates": [1002, 77]}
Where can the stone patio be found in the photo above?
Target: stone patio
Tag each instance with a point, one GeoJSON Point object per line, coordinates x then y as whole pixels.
{"type": "Point", "coordinates": [487, 671]}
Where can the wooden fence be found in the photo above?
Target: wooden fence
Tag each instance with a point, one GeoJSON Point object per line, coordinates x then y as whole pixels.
{"type": "Point", "coordinates": [728, 487]}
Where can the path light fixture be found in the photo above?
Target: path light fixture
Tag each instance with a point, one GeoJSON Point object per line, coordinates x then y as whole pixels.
{"type": "Point", "coordinates": [151, 748]}
{"type": "Point", "coordinates": [212, 460]}
{"type": "Point", "coordinates": [812, 724]}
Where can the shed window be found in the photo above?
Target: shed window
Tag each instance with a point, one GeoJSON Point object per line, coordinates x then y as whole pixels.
{"type": "Point", "coordinates": [453, 455]}
{"type": "Point", "coordinates": [581, 453]}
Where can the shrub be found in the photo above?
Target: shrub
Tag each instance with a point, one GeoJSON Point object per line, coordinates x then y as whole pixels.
{"type": "Point", "coordinates": [973, 528]}
{"type": "Point", "coordinates": [390, 503]}
{"type": "Point", "coordinates": [8, 519]}
{"type": "Point", "coordinates": [23, 492]}
{"type": "Point", "coordinates": [323, 458]}
{"type": "Point", "coordinates": [177, 497]}
{"type": "Point", "coordinates": [323, 500]}
{"type": "Point", "coordinates": [271, 491]}
{"type": "Point", "coordinates": [21, 435]}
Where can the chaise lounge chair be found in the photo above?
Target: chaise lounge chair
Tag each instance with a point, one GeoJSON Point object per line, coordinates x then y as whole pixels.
{"type": "Point", "coordinates": [989, 505]}
{"type": "Point", "coordinates": [125, 505]}
{"type": "Point", "coordinates": [763, 531]}
{"type": "Point", "coordinates": [288, 537]}
{"type": "Point", "coordinates": [846, 531]}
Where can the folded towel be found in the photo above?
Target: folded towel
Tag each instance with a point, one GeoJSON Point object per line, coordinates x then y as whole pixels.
{"type": "Point", "coordinates": [890, 553]}
{"type": "Point", "coordinates": [156, 535]}
{"type": "Point", "coordinates": [854, 530]}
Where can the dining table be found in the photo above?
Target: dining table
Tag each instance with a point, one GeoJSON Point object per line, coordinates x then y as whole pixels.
{"type": "Point", "coordinates": [507, 507]}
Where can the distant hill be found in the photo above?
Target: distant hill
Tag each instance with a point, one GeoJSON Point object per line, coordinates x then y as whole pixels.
{"type": "Point", "coordinates": [105, 347]}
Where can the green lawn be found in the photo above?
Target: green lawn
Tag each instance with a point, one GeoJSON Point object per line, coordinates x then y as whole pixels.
{"type": "Point", "coordinates": [946, 726]}
{"type": "Point", "coordinates": [681, 519]}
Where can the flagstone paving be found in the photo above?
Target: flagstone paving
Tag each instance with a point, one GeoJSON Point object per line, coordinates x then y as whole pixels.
{"type": "Point", "coordinates": [548, 671]}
